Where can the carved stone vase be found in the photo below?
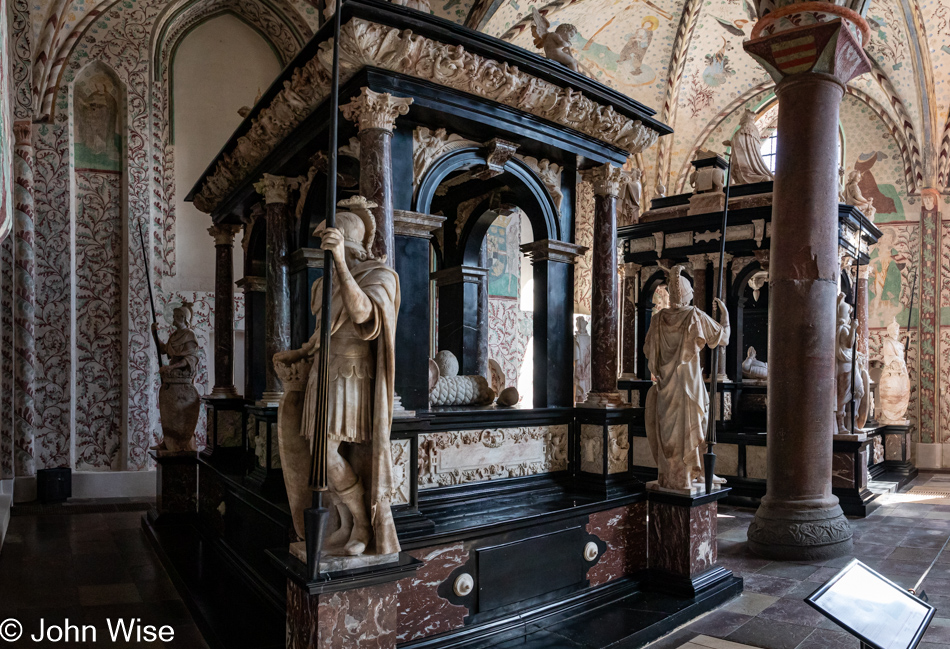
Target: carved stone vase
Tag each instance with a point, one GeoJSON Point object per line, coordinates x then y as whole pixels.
{"type": "Point", "coordinates": [294, 447]}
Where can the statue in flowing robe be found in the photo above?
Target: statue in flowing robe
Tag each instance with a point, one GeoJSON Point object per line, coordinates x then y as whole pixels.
{"type": "Point", "coordinates": [894, 385]}
{"type": "Point", "coordinates": [845, 356]}
{"type": "Point", "coordinates": [677, 407]}
{"type": "Point", "coordinates": [365, 301]}
{"type": "Point", "coordinates": [747, 163]}
{"type": "Point", "coordinates": [179, 403]}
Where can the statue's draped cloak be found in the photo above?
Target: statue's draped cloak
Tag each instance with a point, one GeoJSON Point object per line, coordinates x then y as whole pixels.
{"type": "Point", "coordinates": [182, 345]}
{"type": "Point", "coordinates": [381, 285]}
{"type": "Point", "coordinates": [747, 163]}
{"type": "Point", "coordinates": [678, 404]}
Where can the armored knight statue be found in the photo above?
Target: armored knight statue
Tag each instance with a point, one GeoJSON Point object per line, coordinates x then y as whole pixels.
{"type": "Point", "coordinates": [557, 43]}
{"type": "Point", "coordinates": [179, 403]}
{"type": "Point", "coordinates": [845, 356]}
{"type": "Point", "coordinates": [677, 407]}
{"type": "Point", "coordinates": [365, 301]}
{"type": "Point", "coordinates": [894, 386]}
{"type": "Point", "coordinates": [747, 163]}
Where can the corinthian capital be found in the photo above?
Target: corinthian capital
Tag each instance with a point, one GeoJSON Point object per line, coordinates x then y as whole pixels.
{"type": "Point", "coordinates": [223, 233]}
{"type": "Point", "coordinates": [274, 189]}
{"type": "Point", "coordinates": [606, 179]}
{"type": "Point", "coordinates": [376, 109]}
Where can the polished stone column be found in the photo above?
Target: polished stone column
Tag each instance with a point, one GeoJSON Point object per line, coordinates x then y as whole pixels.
{"type": "Point", "coordinates": [375, 113]}
{"type": "Point", "coordinates": [606, 181]}
{"type": "Point", "coordinates": [861, 308]}
{"type": "Point", "coordinates": [799, 518]}
{"type": "Point", "coordinates": [629, 295]}
{"type": "Point", "coordinates": [699, 263]}
{"type": "Point", "coordinates": [714, 258]}
{"type": "Point", "coordinates": [223, 310]}
{"type": "Point", "coordinates": [275, 190]}
{"type": "Point", "coordinates": [24, 296]}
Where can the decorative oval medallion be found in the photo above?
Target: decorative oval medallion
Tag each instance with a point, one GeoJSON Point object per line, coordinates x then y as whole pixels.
{"type": "Point", "coordinates": [463, 584]}
{"type": "Point", "coordinates": [591, 551]}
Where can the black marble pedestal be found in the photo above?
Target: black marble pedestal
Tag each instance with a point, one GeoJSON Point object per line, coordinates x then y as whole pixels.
{"type": "Point", "coordinates": [177, 489]}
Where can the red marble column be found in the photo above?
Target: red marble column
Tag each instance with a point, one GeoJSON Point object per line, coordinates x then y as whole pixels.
{"type": "Point", "coordinates": [606, 182]}
{"type": "Point", "coordinates": [629, 295]}
{"type": "Point", "coordinates": [699, 264]}
{"type": "Point", "coordinates": [799, 518]}
{"type": "Point", "coordinates": [375, 113]}
{"type": "Point", "coordinates": [277, 300]}
{"type": "Point", "coordinates": [223, 311]}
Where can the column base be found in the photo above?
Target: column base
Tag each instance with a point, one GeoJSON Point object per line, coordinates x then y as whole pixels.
{"type": "Point", "coordinates": [224, 392]}
{"type": "Point", "coordinates": [611, 399]}
{"type": "Point", "coordinates": [270, 399]}
{"type": "Point", "coordinates": [800, 534]}
{"type": "Point", "coordinates": [399, 411]}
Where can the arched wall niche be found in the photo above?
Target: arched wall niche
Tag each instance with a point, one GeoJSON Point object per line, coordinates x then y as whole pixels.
{"type": "Point", "coordinates": [101, 242]}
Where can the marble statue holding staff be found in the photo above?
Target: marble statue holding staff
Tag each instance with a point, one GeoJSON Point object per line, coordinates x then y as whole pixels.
{"type": "Point", "coordinates": [365, 302]}
{"type": "Point", "coordinates": [677, 407]}
{"type": "Point", "coordinates": [179, 403]}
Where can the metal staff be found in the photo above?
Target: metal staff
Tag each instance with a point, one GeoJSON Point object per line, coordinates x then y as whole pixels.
{"type": "Point", "coordinates": [709, 457]}
{"type": "Point", "coordinates": [854, 324]}
{"type": "Point", "coordinates": [151, 298]}
{"type": "Point", "coordinates": [316, 517]}
{"type": "Point", "coordinates": [910, 312]}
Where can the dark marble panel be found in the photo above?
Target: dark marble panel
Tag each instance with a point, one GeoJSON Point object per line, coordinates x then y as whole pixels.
{"type": "Point", "coordinates": [362, 617]}
{"type": "Point", "coordinates": [177, 487]}
{"type": "Point", "coordinates": [842, 469]}
{"type": "Point", "coordinates": [624, 530]}
{"type": "Point", "coordinates": [210, 498]}
{"type": "Point", "coordinates": [422, 611]}
{"type": "Point", "coordinates": [702, 538]}
{"type": "Point", "coordinates": [669, 541]}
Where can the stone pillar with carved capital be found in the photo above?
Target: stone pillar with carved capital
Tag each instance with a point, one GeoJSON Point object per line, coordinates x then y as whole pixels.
{"type": "Point", "coordinates": [275, 190]}
{"type": "Point", "coordinates": [811, 60]}
{"type": "Point", "coordinates": [606, 180]}
{"type": "Point", "coordinates": [24, 300]}
{"type": "Point", "coordinates": [223, 310]}
{"type": "Point", "coordinates": [629, 295]}
{"type": "Point", "coordinates": [375, 113]}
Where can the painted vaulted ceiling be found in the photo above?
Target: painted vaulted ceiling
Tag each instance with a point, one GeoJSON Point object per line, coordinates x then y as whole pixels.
{"type": "Point", "coordinates": [683, 58]}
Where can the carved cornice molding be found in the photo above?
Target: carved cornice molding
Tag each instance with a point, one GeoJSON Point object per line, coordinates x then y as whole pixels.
{"type": "Point", "coordinates": [223, 233]}
{"type": "Point", "coordinates": [377, 110]}
{"type": "Point", "coordinates": [362, 44]}
{"type": "Point", "coordinates": [605, 179]}
{"type": "Point", "coordinates": [553, 250]}
{"type": "Point", "coordinates": [458, 275]}
{"type": "Point", "coordinates": [304, 258]}
{"type": "Point", "coordinates": [416, 224]}
{"type": "Point", "coordinates": [252, 283]}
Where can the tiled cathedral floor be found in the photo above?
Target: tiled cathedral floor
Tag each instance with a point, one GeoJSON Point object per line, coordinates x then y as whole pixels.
{"type": "Point", "coordinates": [89, 567]}
{"type": "Point", "coordinates": [899, 540]}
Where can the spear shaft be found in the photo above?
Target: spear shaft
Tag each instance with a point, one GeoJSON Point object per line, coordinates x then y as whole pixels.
{"type": "Point", "coordinates": [709, 457]}
{"type": "Point", "coordinates": [151, 298]}
{"type": "Point", "coordinates": [316, 517]}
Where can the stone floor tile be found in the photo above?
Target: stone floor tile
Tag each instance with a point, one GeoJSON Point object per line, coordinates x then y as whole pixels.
{"type": "Point", "coordinates": [108, 594]}
{"type": "Point", "coordinates": [719, 623]}
{"type": "Point", "coordinates": [769, 634]}
{"type": "Point", "coordinates": [749, 603]}
{"type": "Point", "coordinates": [826, 639]}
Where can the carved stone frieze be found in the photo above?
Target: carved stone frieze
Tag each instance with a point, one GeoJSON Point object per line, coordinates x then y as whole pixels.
{"type": "Point", "coordinates": [550, 174]}
{"type": "Point", "coordinates": [429, 145]}
{"type": "Point", "coordinates": [401, 474]}
{"type": "Point", "coordinates": [363, 43]}
{"type": "Point", "coordinates": [460, 457]}
{"type": "Point", "coordinates": [376, 109]}
{"type": "Point", "coordinates": [592, 449]}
